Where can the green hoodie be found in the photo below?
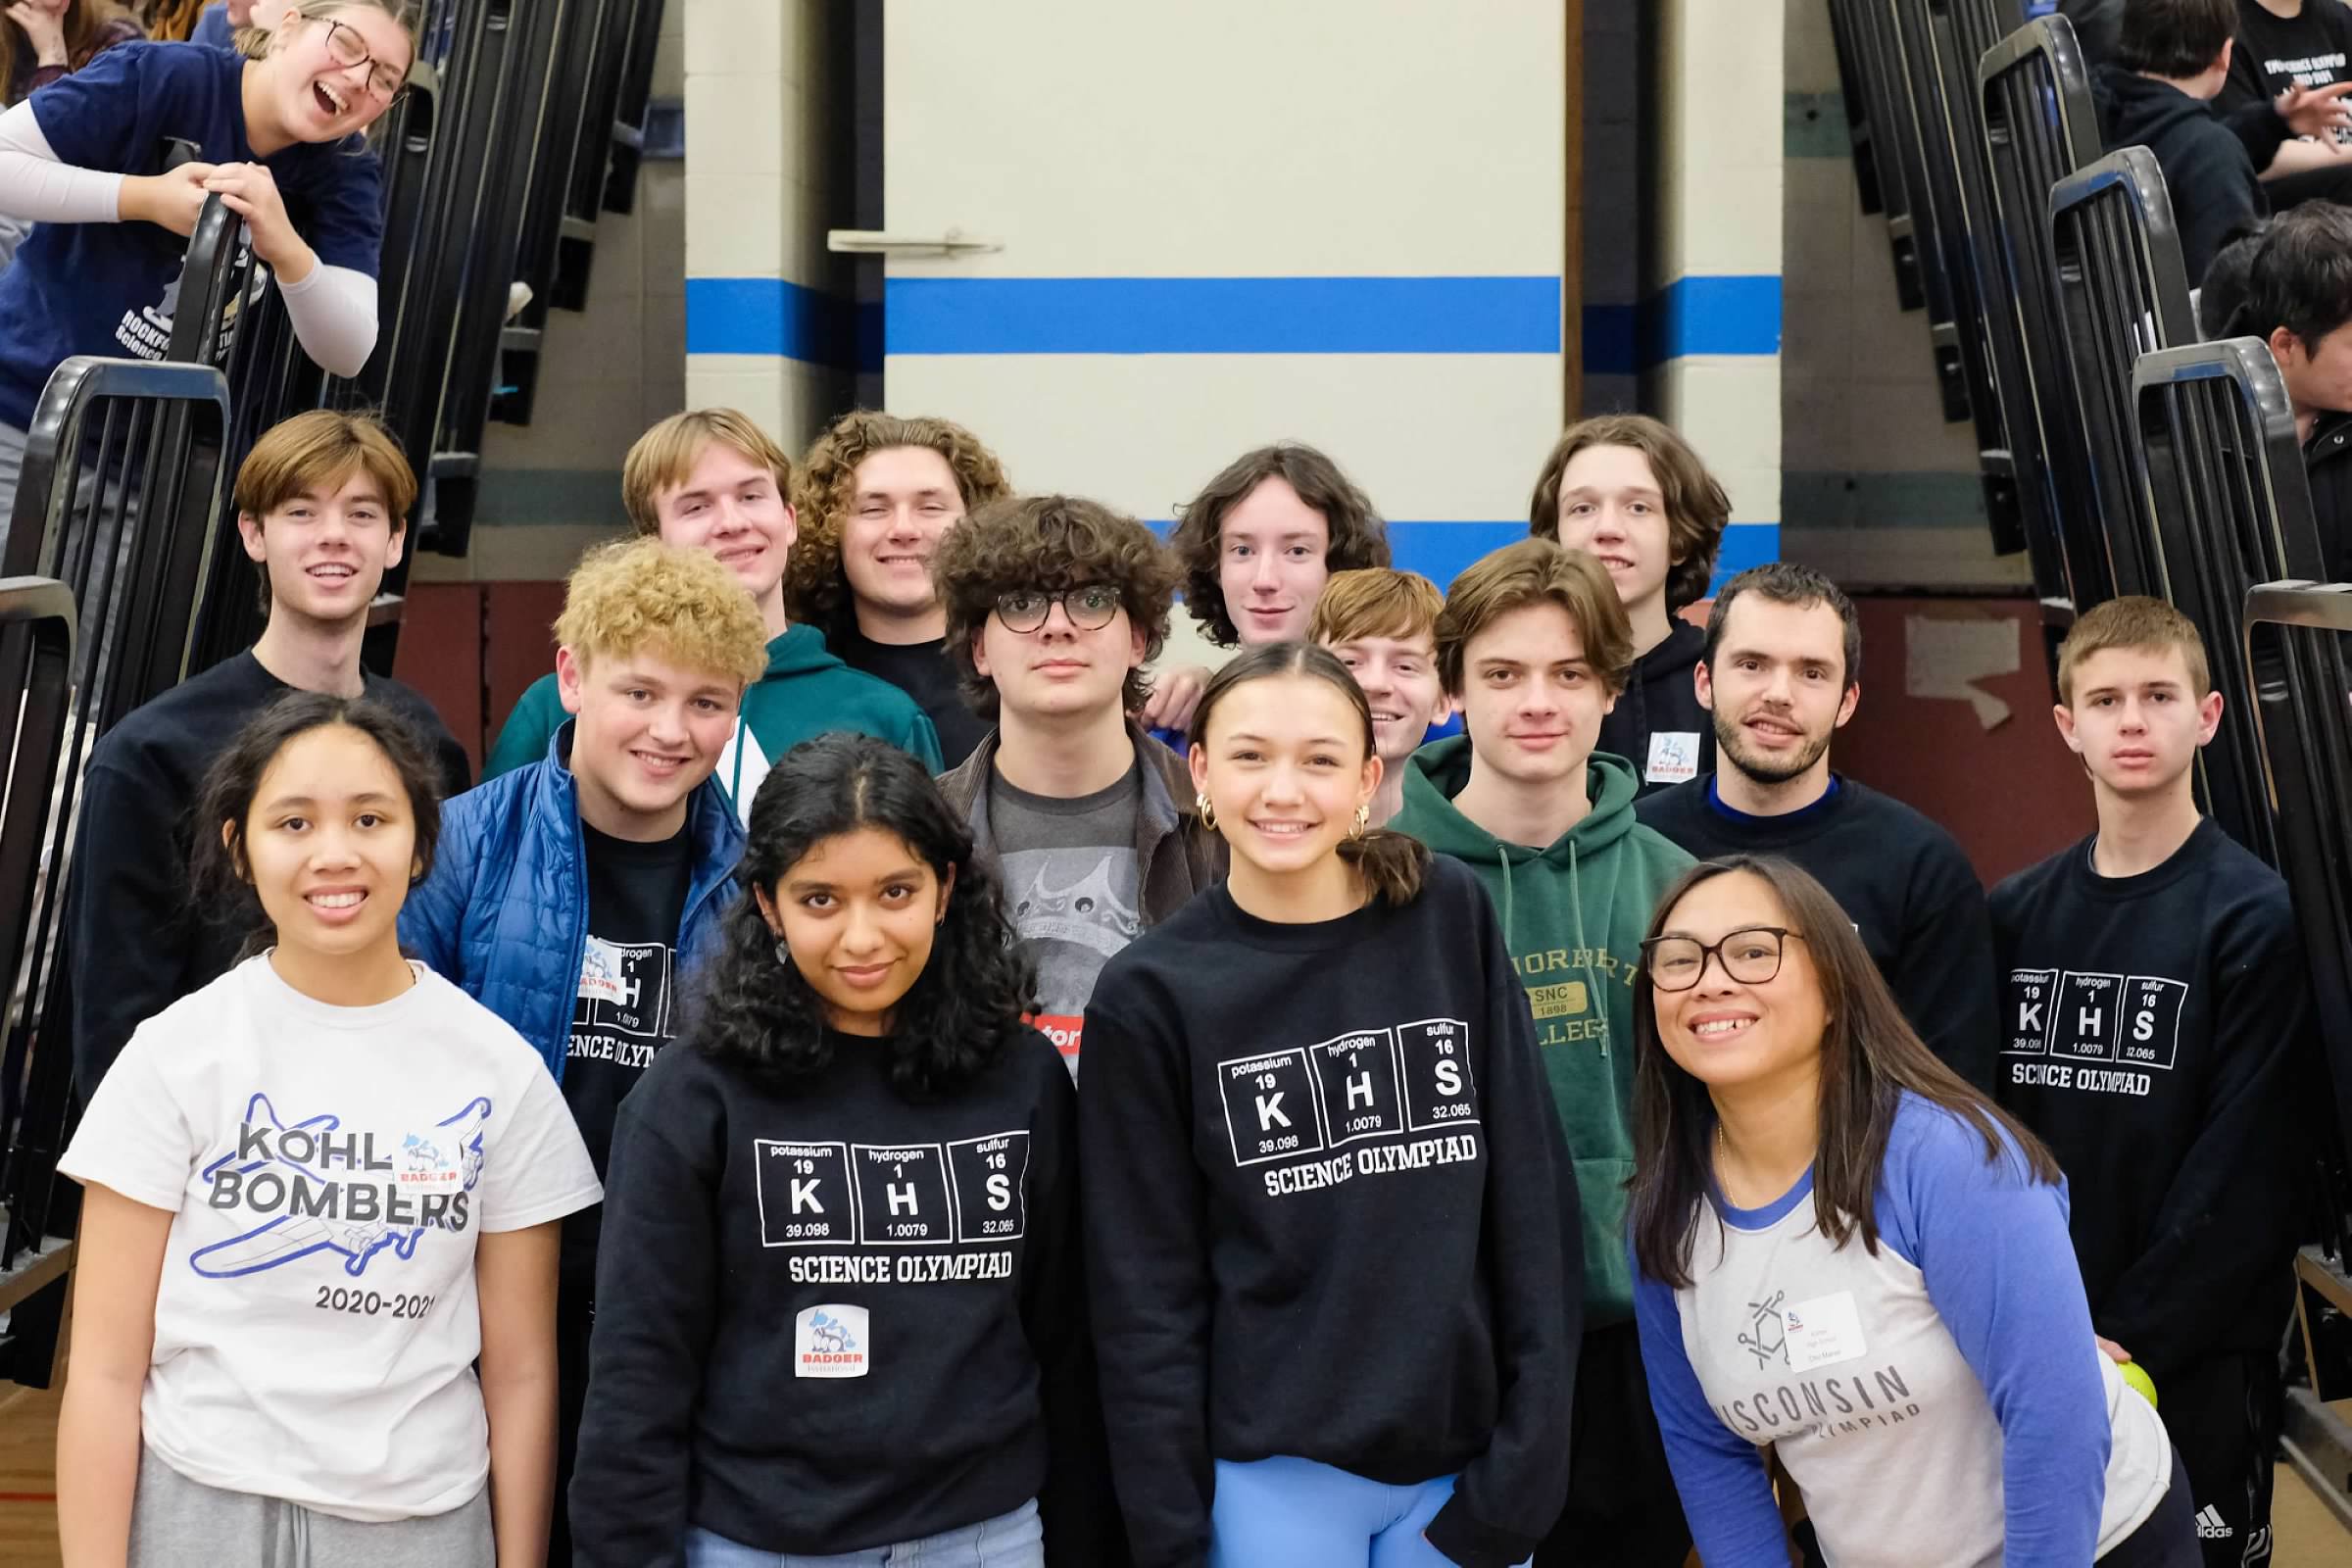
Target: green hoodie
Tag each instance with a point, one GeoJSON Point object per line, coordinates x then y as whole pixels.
{"type": "Point", "coordinates": [1573, 916]}
{"type": "Point", "coordinates": [805, 692]}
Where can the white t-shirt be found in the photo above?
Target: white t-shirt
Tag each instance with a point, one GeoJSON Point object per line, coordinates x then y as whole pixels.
{"type": "Point", "coordinates": [328, 1169]}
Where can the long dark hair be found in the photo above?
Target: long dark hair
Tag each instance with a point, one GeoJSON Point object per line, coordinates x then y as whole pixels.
{"type": "Point", "coordinates": [221, 884]}
{"type": "Point", "coordinates": [1390, 864]}
{"type": "Point", "coordinates": [86, 23]}
{"type": "Point", "coordinates": [758, 1012]}
{"type": "Point", "coordinates": [1869, 1058]}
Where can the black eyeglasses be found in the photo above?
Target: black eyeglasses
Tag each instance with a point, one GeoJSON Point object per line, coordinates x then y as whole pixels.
{"type": "Point", "coordinates": [347, 49]}
{"type": "Point", "coordinates": [1090, 607]}
{"type": "Point", "coordinates": [1751, 955]}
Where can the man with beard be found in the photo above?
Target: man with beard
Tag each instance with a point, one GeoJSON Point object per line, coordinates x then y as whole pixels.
{"type": "Point", "coordinates": [1782, 674]}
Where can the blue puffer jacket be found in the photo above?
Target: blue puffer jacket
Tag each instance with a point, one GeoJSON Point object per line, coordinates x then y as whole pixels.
{"type": "Point", "coordinates": [504, 913]}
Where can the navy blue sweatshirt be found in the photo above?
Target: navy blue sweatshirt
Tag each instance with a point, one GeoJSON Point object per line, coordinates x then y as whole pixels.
{"type": "Point", "coordinates": [2152, 1027]}
{"type": "Point", "coordinates": [829, 1319]}
{"type": "Point", "coordinates": [1329, 1215]}
{"type": "Point", "coordinates": [1913, 897]}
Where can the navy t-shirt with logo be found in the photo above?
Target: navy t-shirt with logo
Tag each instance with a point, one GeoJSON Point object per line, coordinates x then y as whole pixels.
{"type": "Point", "coordinates": [109, 288]}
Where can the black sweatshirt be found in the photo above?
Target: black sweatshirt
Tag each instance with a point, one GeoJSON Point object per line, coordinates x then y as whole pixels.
{"type": "Point", "coordinates": [131, 932]}
{"type": "Point", "coordinates": [1910, 890]}
{"type": "Point", "coordinates": [2152, 1027]}
{"type": "Point", "coordinates": [1658, 725]}
{"type": "Point", "coordinates": [1329, 1215]}
{"type": "Point", "coordinates": [2209, 165]}
{"type": "Point", "coordinates": [829, 1319]}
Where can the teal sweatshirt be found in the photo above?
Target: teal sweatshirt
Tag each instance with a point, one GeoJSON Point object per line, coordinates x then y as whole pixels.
{"type": "Point", "coordinates": [805, 692]}
{"type": "Point", "coordinates": [1573, 916]}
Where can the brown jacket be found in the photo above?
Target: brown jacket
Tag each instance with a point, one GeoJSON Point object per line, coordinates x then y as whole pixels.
{"type": "Point", "coordinates": [1175, 856]}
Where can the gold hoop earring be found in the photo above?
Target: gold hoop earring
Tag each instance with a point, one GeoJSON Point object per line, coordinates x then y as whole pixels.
{"type": "Point", "coordinates": [1208, 813]}
{"type": "Point", "coordinates": [1364, 820]}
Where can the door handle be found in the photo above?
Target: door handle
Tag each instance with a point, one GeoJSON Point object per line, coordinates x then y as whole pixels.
{"type": "Point", "coordinates": [880, 242]}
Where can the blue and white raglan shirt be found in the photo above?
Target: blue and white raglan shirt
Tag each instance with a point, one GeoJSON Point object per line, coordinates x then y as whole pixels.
{"type": "Point", "coordinates": [1942, 1402]}
{"type": "Point", "coordinates": [112, 289]}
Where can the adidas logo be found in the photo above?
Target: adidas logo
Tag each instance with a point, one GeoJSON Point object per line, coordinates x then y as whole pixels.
{"type": "Point", "coordinates": [2209, 1526]}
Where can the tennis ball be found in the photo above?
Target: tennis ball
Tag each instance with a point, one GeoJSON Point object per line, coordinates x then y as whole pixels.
{"type": "Point", "coordinates": [2137, 1375]}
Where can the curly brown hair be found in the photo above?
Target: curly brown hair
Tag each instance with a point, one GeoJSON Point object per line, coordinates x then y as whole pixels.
{"type": "Point", "coordinates": [815, 589]}
{"type": "Point", "coordinates": [1697, 505]}
{"type": "Point", "coordinates": [1357, 538]}
{"type": "Point", "coordinates": [1050, 543]}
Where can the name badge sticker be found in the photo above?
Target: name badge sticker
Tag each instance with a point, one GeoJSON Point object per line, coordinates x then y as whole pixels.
{"type": "Point", "coordinates": [1673, 756]}
{"type": "Point", "coordinates": [1823, 1332]}
{"type": "Point", "coordinates": [830, 1341]}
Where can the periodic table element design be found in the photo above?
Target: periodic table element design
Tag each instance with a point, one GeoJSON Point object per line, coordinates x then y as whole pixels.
{"type": "Point", "coordinates": [1362, 1093]}
{"type": "Point", "coordinates": [1270, 1105]}
{"type": "Point", "coordinates": [1434, 1055]}
{"type": "Point", "coordinates": [989, 1178]}
{"type": "Point", "coordinates": [2151, 1021]}
{"type": "Point", "coordinates": [2033, 1001]}
{"type": "Point", "coordinates": [627, 985]}
{"type": "Point", "coordinates": [804, 1193]}
{"type": "Point", "coordinates": [2088, 1022]}
{"type": "Point", "coordinates": [903, 1197]}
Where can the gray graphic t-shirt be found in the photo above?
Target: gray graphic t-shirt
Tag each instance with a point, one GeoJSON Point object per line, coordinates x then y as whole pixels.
{"type": "Point", "coordinates": [1073, 887]}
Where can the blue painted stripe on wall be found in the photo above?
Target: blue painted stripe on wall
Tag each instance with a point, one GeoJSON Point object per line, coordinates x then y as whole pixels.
{"type": "Point", "coordinates": [1745, 545]}
{"type": "Point", "coordinates": [1695, 314]}
{"type": "Point", "coordinates": [1222, 316]}
{"type": "Point", "coordinates": [770, 315]}
{"type": "Point", "coordinates": [1440, 551]}
{"type": "Point", "coordinates": [1702, 314]}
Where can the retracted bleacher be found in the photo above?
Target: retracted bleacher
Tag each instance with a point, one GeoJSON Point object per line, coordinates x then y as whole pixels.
{"type": "Point", "coordinates": [2141, 461]}
{"type": "Point", "coordinates": [120, 571]}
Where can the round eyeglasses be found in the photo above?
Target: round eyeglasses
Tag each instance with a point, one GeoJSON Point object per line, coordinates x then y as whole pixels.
{"type": "Point", "coordinates": [1751, 955]}
{"type": "Point", "coordinates": [1090, 607]}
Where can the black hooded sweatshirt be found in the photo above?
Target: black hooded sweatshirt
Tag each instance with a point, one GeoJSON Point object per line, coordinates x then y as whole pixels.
{"type": "Point", "coordinates": [1657, 724]}
{"type": "Point", "coordinates": [2209, 167]}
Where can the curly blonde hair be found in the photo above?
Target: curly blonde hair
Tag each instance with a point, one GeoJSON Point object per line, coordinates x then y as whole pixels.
{"type": "Point", "coordinates": [640, 594]}
{"type": "Point", "coordinates": [815, 591]}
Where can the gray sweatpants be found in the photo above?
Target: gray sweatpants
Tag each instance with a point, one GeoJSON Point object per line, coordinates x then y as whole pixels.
{"type": "Point", "coordinates": [175, 1522]}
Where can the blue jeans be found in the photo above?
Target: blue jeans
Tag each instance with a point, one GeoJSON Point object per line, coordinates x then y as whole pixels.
{"type": "Point", "coordinates": [1286, 1513]}
{"type": "Point", "coordinates": [1014, 1540]}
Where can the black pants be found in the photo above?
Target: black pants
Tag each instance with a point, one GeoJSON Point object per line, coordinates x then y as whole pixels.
{"type": "Point", "coordinates": [2223, 1415]}
{"type": "Point", "coordinates": [1623, 1512]}
{"type": "Point", "coordinates": [573, 1321]}
{"type": "Point", "coordinates": [2165, 1539]}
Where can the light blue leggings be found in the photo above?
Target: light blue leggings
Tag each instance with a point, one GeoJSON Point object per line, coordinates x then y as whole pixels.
{"type": "Point", "coordinates": [1286, 1514]}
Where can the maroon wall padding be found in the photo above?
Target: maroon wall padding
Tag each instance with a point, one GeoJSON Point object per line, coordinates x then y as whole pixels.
{"type": "Point", "coordinates": [440, 654]}
{"type": "Point", "coordinates": [522, 647]}
{"type": "Point", "coordinates": [2011, 795]}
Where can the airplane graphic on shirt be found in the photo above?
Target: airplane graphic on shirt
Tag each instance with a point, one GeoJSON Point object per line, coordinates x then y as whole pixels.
{"type": "Point", "coordinates": [287, 1237]}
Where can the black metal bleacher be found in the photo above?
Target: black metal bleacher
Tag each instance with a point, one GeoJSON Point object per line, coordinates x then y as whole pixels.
{"type": "Point", "coordinates": [2294, 650]}
{"type": "Point", "coordinates": [113, 531]}
{"type": "Point", "coordinates": [1959, 32]}
{"type": "Point", "coordinates": [577, 153]}
{"type": "Point", "coordinates": [1902, 66]}
{"type": "Point", "coordinates": [122, 522]}
{"type": "Point", "coordinates": [2121, 292]}
{"type": "Point", "coordinates": [1864, 30]}
{"type": "Point", "coordinates": [2038, 126]}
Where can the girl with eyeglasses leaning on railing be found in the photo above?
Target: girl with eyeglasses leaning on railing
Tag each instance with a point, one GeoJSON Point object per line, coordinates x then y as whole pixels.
{"type": "Point", "coordinates": [91, 162]}
{"type": "Point", "coordinates": [1846, 1255]}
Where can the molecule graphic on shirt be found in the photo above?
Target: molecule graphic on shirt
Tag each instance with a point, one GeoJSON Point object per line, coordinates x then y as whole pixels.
{"type": "Point", "coordinates": [1769, 1336]}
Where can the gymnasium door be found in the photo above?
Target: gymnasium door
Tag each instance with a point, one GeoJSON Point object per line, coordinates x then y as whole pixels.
{"type": "Point", "coordinates": [1213, 226]}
